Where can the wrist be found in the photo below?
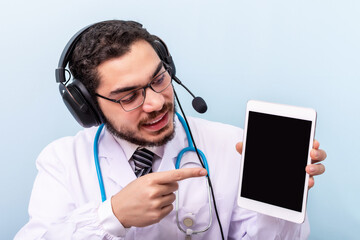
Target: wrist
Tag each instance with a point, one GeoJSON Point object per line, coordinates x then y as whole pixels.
{"type": "Point", "coordinates": [119, 214]}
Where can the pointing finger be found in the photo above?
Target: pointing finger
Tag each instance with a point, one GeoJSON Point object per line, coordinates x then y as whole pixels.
{"type": "Point", "coordinates": [179, 174]}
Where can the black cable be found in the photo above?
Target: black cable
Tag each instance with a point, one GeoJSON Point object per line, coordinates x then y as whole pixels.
{"type": "Point", "coordinates": [201, 161]}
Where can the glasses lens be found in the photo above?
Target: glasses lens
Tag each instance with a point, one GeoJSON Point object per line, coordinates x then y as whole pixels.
{"type": "Point", "coordinates": [161, 82]}
{"type": "Point", "coordinates": [132, 100]}
{"type": "Point", "coordinates": [136, 98]}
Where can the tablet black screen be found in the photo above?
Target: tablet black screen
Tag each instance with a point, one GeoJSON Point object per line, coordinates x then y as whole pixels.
{"type": "Point", "coordinates": [275, 159]}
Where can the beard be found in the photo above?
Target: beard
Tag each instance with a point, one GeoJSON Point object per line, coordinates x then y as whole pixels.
{"type": "Point", "coordinates": [132, 136]}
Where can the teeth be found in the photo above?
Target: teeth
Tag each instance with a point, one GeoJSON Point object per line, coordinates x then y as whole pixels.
{"type": "Point", "coordinates": [155, 121]}
{"type": "Point", "coordinates": [158, 120]}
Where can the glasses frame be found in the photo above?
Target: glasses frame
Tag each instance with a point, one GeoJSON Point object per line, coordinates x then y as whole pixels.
{"type": "Point", "coordinates": [167, 69]}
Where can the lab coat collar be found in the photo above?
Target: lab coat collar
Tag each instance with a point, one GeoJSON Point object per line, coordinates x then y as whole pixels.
{"type": "Point", "coordinates": [129, 148]}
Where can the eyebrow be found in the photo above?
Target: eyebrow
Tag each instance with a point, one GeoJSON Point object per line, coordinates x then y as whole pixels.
{"type": "Point", "coordinates": [125, 89]}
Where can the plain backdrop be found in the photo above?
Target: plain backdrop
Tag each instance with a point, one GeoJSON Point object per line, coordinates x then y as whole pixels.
{"type": "Point", "coordinates": [300, 52]}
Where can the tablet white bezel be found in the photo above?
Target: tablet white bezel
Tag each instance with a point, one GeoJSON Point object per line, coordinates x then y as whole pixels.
{"type": "Point", "coordinates": [285, 111]}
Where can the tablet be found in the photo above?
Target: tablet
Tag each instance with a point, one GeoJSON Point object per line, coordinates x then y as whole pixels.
{"type": "Point", "coordinates": [276, 149]}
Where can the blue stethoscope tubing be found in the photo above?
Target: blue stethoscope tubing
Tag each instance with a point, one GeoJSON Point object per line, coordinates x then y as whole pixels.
{"type": "Point", "coordinates": [97, 165]}
{"type": "Point", "coordinates": [190, 148]}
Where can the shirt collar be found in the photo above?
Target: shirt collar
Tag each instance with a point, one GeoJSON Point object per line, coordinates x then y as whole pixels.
{"type": "Point", "coordinates": [129, 148]}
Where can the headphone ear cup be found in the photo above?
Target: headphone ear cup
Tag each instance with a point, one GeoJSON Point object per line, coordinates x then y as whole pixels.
{"type": "Point", "coordinates": [164, 54]}
{"type": "Point", "coordinates": [79, 102]}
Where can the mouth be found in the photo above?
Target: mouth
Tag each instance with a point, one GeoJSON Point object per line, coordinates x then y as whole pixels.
{"type": "Point", "coordinates": [157, 123]}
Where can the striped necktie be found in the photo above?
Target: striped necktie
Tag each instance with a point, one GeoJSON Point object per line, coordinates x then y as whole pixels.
{"type": "Point", "coordinates": [143, 161]}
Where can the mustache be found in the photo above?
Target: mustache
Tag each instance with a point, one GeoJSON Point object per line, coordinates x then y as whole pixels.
{"type": "Point", "coordinates": [153, 115]}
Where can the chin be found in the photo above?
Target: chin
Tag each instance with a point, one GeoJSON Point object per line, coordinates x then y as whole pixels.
{"type": "Point", "coordinates": [147, 136]}
{"type": "Point", "coordinates": [160, 137]}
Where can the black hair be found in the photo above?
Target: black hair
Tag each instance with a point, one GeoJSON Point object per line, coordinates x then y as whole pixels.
{"type": "Point", "coordinates": [101, 42]}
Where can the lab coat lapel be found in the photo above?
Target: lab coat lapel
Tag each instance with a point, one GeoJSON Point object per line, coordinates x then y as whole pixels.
{"type": "Point", "coordinates": [113, 161]}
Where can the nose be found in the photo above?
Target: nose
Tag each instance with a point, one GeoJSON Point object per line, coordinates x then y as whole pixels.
{"type": "Point", "coordinates": [153, 101]}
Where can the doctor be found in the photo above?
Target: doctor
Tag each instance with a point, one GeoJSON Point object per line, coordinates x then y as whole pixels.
{"type": "Point", "coordinates": [127, 84]}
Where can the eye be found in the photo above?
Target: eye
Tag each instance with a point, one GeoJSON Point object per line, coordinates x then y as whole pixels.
{"type": "Point", "coordinates": [158, 80]}
{"type": "Point", "coordinates": [129, 98]}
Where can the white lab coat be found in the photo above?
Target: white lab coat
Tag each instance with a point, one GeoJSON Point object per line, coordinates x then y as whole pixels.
{"type": "Point", "coordinates": [66, 197]}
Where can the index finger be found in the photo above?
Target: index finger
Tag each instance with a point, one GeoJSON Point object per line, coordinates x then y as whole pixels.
{"type": "Point", "coordinates": [180, 174]}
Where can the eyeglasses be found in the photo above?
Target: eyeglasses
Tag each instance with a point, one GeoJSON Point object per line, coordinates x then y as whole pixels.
{"type": "Point", "coordinates": [136, 98]}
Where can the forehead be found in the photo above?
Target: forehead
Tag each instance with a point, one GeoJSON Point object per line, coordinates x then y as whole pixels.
{"type": "Point", "coordinates": [131, 69]}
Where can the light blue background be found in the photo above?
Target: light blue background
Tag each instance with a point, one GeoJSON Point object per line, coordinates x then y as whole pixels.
{"type": "Point", "coordinates": [303, 53]}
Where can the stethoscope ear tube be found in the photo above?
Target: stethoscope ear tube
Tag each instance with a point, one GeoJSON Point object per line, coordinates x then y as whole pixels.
{"type": "Point", "coordinates": [190, 148]}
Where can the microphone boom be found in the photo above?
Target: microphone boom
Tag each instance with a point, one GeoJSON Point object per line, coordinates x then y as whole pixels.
{"type": "Point", "coordinates": [198, 103]}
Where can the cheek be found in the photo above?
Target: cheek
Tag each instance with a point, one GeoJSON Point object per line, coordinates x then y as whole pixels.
{"type": "Point", "coordinates": [129, 120]}
{"type": "Point", "coordinates": [107, 109]}
{"type": "Point", "coordinates": [113, 112]}
{"type": "Point", "coordinates": [169, 94]}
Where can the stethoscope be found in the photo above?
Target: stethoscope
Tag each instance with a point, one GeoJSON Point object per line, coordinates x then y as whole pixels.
{"type": "Point", "coordinates": [188, 222]}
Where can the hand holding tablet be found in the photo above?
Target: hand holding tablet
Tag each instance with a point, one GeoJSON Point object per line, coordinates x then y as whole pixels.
{"type": "Point", "coordinates": [276, 149]}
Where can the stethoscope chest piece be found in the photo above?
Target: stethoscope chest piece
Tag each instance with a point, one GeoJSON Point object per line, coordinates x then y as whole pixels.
{"type": "Point", "coordinates": [188, 221]}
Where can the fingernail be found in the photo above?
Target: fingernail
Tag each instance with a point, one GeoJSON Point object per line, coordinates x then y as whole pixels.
{"type": "Point", "coordinates": [203, 172]}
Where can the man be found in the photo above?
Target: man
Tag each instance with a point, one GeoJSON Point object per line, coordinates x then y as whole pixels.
{"type": "Point", "coordinates": [131, 88]}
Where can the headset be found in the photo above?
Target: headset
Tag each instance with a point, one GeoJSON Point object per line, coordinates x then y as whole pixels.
{"type": "Point", "coordinates": [79, 102]}
{"type": "Point", "coordinates": [78, 99]}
